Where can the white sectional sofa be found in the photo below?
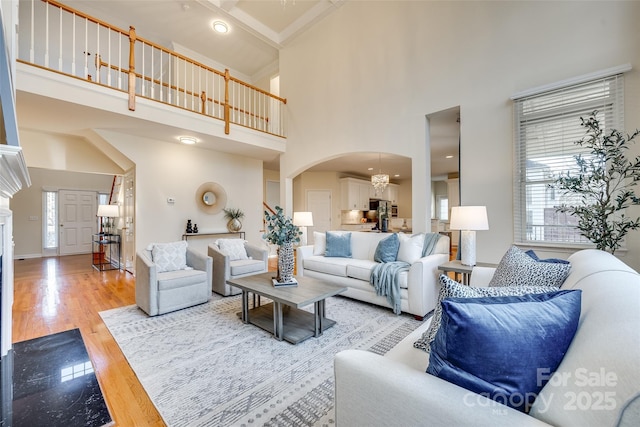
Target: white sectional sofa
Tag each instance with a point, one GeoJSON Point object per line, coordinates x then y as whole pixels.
{"type": "Point", "coordinates": [596, 384]}
{"type": "Point", "coordinates": [418, 287]}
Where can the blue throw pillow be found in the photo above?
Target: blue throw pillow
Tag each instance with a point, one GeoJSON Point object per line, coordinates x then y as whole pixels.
{"type": "Point", "coordinates": [533, 255]}
{"type": "Point", "coordinates": [387, 249]}
{"type": "Point", "coordinates": [499, 346]}
{"type": "Point", "coordinates": [338, 245]}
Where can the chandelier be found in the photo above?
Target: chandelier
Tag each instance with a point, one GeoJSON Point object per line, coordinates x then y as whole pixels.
{"type": "Point", "coordinates": [379, 180]}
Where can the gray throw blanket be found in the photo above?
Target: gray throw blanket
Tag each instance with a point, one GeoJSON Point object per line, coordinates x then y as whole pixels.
{"type": "Point", "coordinates": [385, 276]}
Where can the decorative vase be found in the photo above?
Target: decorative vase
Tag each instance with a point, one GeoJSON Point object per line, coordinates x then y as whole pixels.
{"type": "Point", "coordinates": [234, 225]}
{"type": "Point", "coordinates": [285, 262]}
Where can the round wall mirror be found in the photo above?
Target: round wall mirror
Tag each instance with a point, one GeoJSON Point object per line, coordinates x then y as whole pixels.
{"type": "Point", "coordinates": [211, 197]}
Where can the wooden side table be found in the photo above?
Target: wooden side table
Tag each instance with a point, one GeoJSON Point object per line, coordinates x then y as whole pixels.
{"type": "Point", "coordinates": [461, 271]}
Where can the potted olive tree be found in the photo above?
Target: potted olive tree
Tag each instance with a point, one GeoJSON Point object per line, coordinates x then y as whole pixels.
{"type": "Point", "coordinates": [603, 184]}
{"type": "Point", "coordinates": [281, 231]}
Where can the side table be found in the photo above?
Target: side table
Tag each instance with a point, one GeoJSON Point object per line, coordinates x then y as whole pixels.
{"type": "Point", "coordinates": [461, 271]}
{"type": "Point", "coordinates": [106, 252]}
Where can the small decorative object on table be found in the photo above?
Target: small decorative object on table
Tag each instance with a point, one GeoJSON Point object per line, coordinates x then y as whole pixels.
{"type": "Point", "coordinates": [282, 232]}
{"type": "Point", "coordinates": [189, 227]}
{"type": "Point", "coordinates": [233, 215]}
{"type": "Point", "coordinates": [195, 228]}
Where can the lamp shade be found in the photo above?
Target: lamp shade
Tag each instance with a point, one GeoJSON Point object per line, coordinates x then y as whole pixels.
{"type": "Point", "coordinates": [303, 219]}
{"type": "Point", "coordinates": [110, 211]}
{"type": "Point", "coordinates": [469, 218]}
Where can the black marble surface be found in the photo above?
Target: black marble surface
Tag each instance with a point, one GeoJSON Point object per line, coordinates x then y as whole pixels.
{"type": "Point", "coordinates": [54, 384]}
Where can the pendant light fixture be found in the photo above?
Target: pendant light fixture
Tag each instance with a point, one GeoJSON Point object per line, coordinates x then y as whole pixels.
{"type": "Point", "coordinates": [379, 180]}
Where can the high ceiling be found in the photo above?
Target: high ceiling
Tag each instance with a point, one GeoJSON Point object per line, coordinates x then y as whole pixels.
{"type": "Point", "coordinates": [258, 30]}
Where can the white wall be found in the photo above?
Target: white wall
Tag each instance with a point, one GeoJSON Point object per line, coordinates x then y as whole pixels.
{"type": "Point", "coordinates": [173, 170]}
{"type": "Point", "coordinates": [365, 77]}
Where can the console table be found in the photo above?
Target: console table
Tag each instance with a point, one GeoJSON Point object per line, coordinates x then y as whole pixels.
{"type": "Point", "coordinates": [106, 251]}
{"type": "Point", "coordinates": [242, 234]}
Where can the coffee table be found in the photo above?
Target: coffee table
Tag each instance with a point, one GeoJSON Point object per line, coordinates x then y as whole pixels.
{"type": "Point", "coordinates": [283, 317]}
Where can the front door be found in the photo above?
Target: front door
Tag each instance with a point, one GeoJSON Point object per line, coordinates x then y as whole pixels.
{"type": "Point", "coordinates": [78, 221]}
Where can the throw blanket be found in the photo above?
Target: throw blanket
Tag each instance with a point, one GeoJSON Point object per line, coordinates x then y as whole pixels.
{"type": "Point", "coordinates": [385, 276]}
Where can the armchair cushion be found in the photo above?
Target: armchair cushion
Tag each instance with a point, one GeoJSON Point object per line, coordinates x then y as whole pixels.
{"type": "Point", "coordinates": [169, 256]}
{"type": "Point", "coordinates": [233, 248]}
{"type": "Point", "coordinates": [242, 267]}
{"type": "Point", "coordinates": [180, 278]}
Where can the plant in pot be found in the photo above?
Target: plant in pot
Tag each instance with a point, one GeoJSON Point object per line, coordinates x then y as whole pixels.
{"type": "Point", "coordinates": [281, 231]}
{"type": "Point", "coordinates": [602, 186]}
{"type": "Point", "coordinates": [233, 217]}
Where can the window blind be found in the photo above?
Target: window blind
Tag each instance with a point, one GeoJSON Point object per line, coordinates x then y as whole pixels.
{"type": "Point", "coordinates": [546, 127]}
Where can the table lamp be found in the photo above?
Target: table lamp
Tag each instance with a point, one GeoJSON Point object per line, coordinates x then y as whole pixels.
{"type": "Point", "coordinates": [108, 211]}
{"type": "Point", "coordinates": [468, 219]}
{"type": "Point", "coordinates": [303, 220]}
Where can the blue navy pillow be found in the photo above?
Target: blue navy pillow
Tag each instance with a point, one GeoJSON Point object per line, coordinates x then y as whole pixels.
{"type": "Point", "coordinates": [338, 245]}
{"type": "Point", "coordinates": [533, 255]}
{"type": "Point", "coordinates": [499, 346]}
{"type": "Point", "coordinates": [387, 249]}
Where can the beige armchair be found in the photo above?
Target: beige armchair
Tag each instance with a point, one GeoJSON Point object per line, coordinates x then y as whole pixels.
{"type": "Point", "coordinates": [164, 285]}
{"type": "Point", "coordinates": [231, 263]}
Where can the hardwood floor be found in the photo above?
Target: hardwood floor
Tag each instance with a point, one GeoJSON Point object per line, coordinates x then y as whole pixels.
{"type": "Point", "coordinates": [60, 293]}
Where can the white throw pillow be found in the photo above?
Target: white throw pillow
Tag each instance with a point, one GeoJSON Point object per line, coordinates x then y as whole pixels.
{"type": "Point", "coordinates": [233, 248]}
{"type": "Point", "coordinates": [169, 256]}
{"type": "Point", "coordinates": [319, 243]}
{"type": "Point", "coordinates": [410, 247]}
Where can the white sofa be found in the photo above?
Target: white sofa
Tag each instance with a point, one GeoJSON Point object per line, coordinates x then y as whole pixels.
{"type": "Point", "coordinates": [596, 384]}
{"type": "Point", "coordinates": [418, 287]}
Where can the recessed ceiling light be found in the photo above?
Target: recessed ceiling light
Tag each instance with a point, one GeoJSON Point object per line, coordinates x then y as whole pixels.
{"type": "Point", "coordinates": [220, 27]}
{"type": "Point", "coordinates": [396, 175]}
{"type": "Point", "coordinates": [189, 140]}
{"type": "Point", "coordinates": [449, 157]}
{"type": "Point", "coordinates": [369, 169]}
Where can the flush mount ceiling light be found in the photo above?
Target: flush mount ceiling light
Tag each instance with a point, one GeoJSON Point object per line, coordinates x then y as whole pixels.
{"type": "Point", "coordinates": [189, 140]}
{"type": "Point", "coordinates": [220, 27]}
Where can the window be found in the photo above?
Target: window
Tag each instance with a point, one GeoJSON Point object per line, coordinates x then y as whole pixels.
{"type": "Point", "coordinates": [50, 219]}
{"type": "Point", "coordinates": [547, 124]}
{"type": "Point", "coordinates": [443, 208]}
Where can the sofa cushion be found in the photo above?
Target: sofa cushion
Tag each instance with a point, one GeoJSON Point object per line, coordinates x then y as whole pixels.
{"type": "Point", "coordinates": [233, 248]}
{"type": "Point", "coordinates": [451, 289]}
{"type": "Point", "coordinates": [245, 266]}
{"type": "Point", "coordinates": [169, 256]}
{"type": "Point", "coordinates": [387, 249]}
{"type": "Point", "coordinates": [338, 245]}
{"type": "Point", "coordinates": [518, 268]}
{"type": "Point", "coordinates": [179, 278]}
{"type": "Point", "coordinates": [410, 247]}
{"type": "Point", "coordinates": [360, 269]}
{"type": "Point", "coordinates": [321, 264]}
{"type": "Point", "coordinates": [319, 243]}
{"type": "Point", "coordinates": [498, 346]}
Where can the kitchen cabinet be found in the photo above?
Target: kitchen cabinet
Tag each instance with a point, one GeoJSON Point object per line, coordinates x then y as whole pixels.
{"type": "Point", "coordinates": [391, 194]}
{"type": "Point", "coordinates": [355, 194]}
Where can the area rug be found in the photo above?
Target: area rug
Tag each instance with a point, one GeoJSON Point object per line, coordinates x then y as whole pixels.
{"type": "Point", "coordinates": [202, 366]}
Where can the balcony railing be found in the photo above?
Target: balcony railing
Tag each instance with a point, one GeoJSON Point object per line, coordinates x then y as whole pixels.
{"type": "Point", "coordinates": [61, 39]}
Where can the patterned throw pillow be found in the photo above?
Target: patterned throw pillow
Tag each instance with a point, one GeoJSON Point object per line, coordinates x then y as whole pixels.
{"type": "Point", "coordinates": [452, 289]}
{"type": "Point", "coordinates": [516, 268]}
{"type": "Point", "coordinates": [233, 248]}
{"type": "Point", "coordinates": [169, 256]}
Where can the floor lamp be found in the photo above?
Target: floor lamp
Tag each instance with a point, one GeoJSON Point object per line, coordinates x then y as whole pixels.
{"type": "Point", "coordinates": [468, 219]}
{"type": "Point", "coordinates": [303, 220]}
